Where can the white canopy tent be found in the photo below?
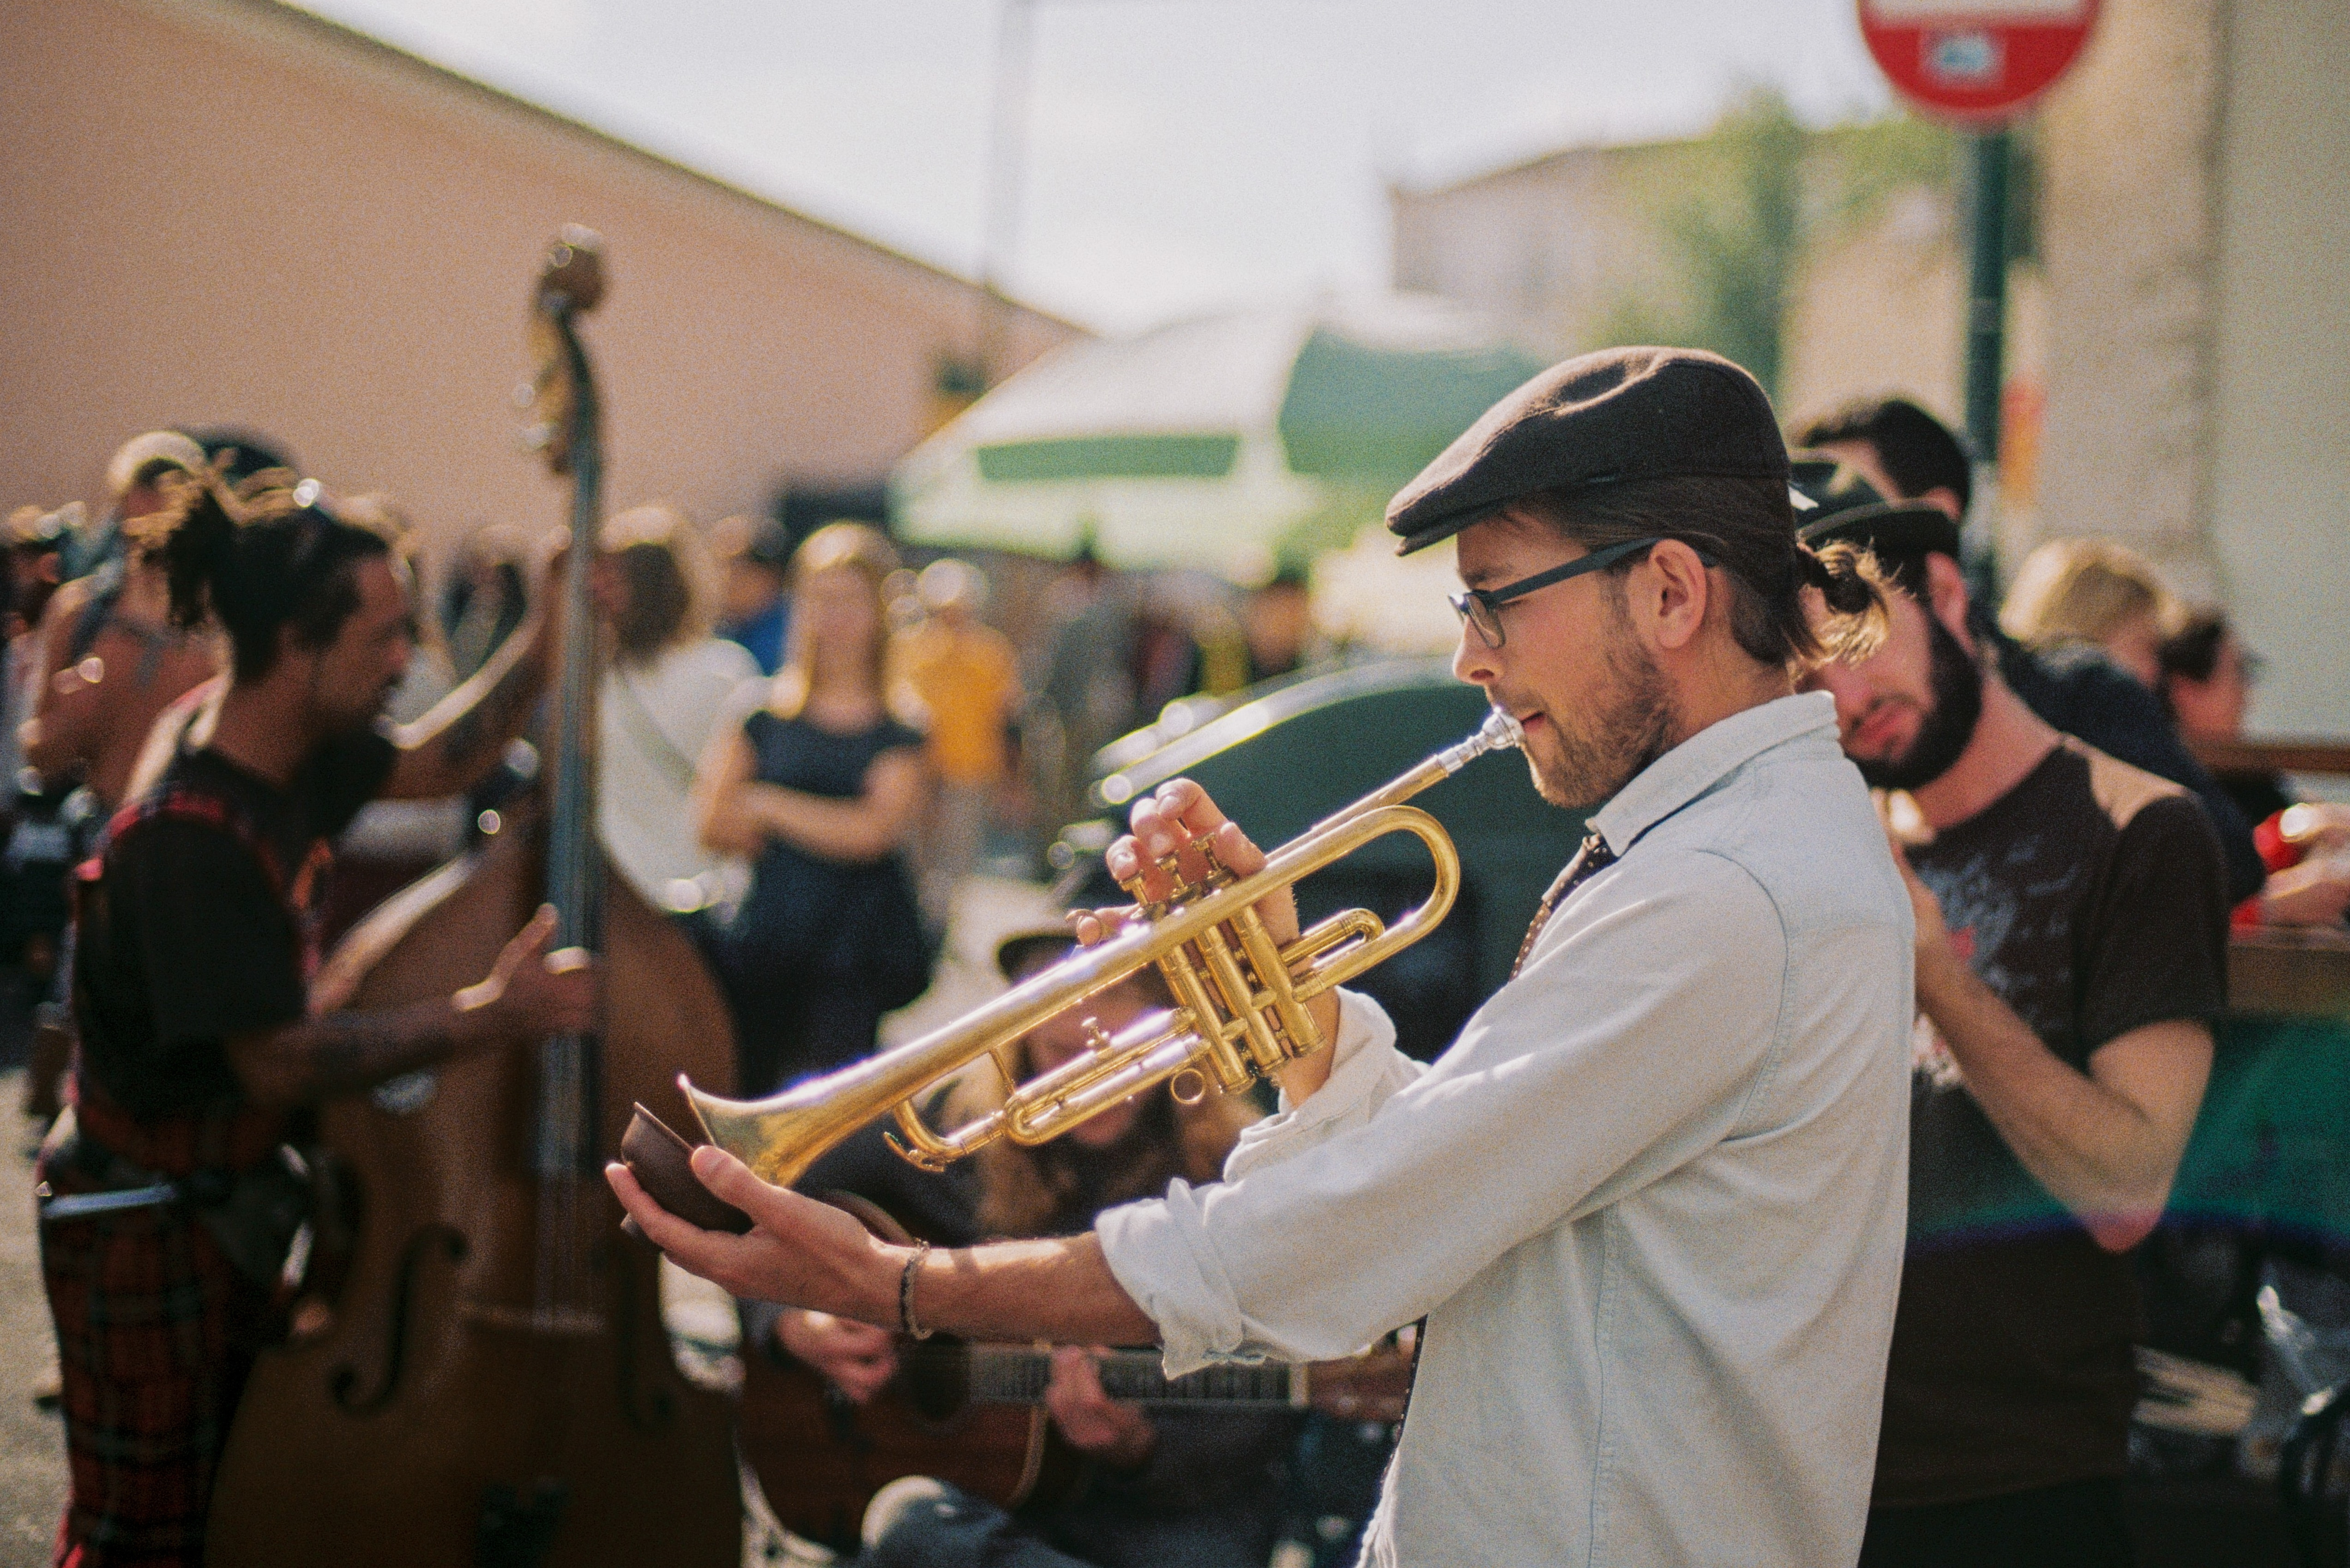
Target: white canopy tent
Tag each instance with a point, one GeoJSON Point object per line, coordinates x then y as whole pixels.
{"type": "Point", "coordinates": [1224, 444]}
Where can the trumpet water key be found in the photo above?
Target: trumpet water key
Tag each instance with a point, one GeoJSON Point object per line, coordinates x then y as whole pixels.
{"type": "Point", "coordinates": [1240, 1000]}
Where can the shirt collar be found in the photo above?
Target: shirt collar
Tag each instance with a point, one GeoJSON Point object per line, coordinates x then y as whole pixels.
{"type": "Point", "coordinates": [1705, 759]}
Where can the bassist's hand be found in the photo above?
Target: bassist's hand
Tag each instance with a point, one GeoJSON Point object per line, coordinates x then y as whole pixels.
{"type": "Point", "coordinates": [858, 1359]}
{"type": "Point", "coordinates": [530, 993]}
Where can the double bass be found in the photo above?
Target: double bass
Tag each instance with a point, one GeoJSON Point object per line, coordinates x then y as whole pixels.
{"type": "Point", "coordinates": [491, 1386]}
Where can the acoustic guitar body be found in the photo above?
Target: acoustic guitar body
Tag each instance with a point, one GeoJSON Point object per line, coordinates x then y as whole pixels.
{"type": "Point", "coordinates": [437, 1416]}
{"type": "Point", "coordinates": [819, 1459]}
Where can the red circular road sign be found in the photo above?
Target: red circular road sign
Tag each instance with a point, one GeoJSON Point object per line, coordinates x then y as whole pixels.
{"type": "Point", "coordinates": [1975, 60]}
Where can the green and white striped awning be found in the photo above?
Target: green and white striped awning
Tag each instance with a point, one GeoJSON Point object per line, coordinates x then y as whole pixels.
{"type": "Point", "coordinates": [1224, 444]}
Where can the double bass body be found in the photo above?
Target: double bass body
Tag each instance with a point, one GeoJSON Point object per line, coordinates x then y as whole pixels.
{"type": "Point", "coordinates": [491, 1385]}
{"type": "Point", "coordinates": [435, 1422]}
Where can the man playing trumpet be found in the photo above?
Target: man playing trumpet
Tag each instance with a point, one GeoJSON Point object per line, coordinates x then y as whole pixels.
{"type": "Point", "coordinates": [1650, 1202]}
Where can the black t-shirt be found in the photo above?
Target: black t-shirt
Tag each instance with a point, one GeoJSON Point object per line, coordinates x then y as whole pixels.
{"type": "Point", "coordinates": [2079, 691]}
{"type": "Point", "coordinates": [2091, 898]}
{"type": "Point", "coordinates": [192, 940]}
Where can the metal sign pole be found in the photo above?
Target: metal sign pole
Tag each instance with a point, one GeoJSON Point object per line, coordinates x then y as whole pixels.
{"type": "Point", "coordinates": [1987, 291]}
{"type": "Point", "coordinates": [1986, 346]}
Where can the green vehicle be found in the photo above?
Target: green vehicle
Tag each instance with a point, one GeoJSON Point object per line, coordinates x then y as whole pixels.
{"type": "Point", "coordinates": [1285, 757]}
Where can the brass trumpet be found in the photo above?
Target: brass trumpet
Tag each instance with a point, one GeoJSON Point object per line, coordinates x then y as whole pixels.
{"type": "Point", "coordinates": [1239, 1001]}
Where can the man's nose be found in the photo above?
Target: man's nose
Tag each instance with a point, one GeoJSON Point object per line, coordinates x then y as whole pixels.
{"type": "Point", "coordinates": [1853, 695]}
{"type": "Point", "coordinates": [1472, 661]}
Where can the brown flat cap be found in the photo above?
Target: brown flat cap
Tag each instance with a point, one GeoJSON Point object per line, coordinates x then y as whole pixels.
{"type": "Point", "coordinates": [1620, 415]}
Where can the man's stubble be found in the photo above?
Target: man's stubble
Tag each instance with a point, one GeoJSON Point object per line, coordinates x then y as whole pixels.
{"type": "Point", "coordinates": [1593, 754]}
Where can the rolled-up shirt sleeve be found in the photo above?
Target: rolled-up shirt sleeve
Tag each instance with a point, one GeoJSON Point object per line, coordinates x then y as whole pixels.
{"type": "Point", "coordinates": [1627, 1046]}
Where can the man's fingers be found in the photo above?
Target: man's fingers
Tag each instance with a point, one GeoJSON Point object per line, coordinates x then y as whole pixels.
{"type": "Point", "coordinates": [691, 1247]}
{"type": "Point", "coordinates": [1167, 822]}
{"type": "Point", "coordinates": [1195, 815]}
{"type": "Point", "coordinates": [730, 1179]}
{"type": "Point", "coordinates": [1094, 926]}
{"type": "Point", "coordinates": [1079, 1378]}
{"type": "Point", "coordinates": [792, 1218]}
{"type": "Point", "coordinates": [1234, 848]}
{"type": "Point", "coordinates": [531, 941]}
{"type": "Point", "coordinates": [867, 1341]}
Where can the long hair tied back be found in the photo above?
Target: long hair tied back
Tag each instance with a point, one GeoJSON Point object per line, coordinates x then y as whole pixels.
{"type": "Point", "coordinates": [258, 560]}
{"type": "Point", "coordinates": [1853, 588]}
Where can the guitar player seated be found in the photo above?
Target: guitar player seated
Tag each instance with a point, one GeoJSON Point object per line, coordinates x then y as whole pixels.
{"type": "Point", "coordinates": [1166, 1486]}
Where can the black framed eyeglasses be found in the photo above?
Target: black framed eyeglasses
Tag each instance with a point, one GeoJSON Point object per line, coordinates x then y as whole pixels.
{"type": "Point", "coordinates": [1479, 607]}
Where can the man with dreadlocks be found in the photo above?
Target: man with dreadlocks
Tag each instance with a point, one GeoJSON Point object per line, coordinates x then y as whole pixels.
{"type": "Point", "coordinates": [167, 1206]}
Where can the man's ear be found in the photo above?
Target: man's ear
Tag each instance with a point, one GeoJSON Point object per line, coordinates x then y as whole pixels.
{"type": "Point", "coordinates": [291, 648]}
{"type": "Point", "coordinates": [1682, 591]}
{"type": "Point", "coordinates": [1947, 499]}
{"type": "Point", "coordinates": [1946, 597]}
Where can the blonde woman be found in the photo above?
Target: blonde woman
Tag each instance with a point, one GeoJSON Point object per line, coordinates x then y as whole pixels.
{"type": "Point", "coordinates": [2097, 592]}
{"type": "Point", "coordinates": [820, 788]}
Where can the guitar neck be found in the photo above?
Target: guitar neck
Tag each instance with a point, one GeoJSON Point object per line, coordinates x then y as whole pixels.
{"type": "Point", "coordinates": [1015, 1374]}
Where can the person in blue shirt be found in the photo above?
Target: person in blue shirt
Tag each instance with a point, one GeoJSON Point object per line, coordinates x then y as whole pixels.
{"type": "Point", "coordinates": [755, 556]}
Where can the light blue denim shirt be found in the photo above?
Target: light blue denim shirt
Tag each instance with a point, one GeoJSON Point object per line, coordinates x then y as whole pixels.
{"type": "Point", "coordinates": [1650, 1201]}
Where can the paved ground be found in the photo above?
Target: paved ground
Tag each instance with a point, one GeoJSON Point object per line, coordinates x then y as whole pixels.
{"type": "Point", "coordinates": [32, 1451]}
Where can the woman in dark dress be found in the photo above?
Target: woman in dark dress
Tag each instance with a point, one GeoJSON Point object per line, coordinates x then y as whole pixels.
{"type": "Point", "coordinates": [820, 789]}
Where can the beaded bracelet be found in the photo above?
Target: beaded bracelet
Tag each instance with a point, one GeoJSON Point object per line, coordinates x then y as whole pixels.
{"type": "Point", "coordinates": [906, 1294]}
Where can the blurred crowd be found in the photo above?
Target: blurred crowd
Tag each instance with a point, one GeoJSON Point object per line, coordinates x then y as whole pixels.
{"type": "Point", "coordinates": [2098, 644]}
{"type": "Point", "coordinates": [800, 736]}
{"type": "Point", "coordinates": [2099, 599]}
{"type": "Point", "coordinates": [806, 746]}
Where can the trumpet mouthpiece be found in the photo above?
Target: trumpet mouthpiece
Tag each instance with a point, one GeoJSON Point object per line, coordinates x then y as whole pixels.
{"type": "Point", "coordinates": [1500, 732]}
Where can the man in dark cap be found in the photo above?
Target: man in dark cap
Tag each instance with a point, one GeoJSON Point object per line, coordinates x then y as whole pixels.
{"type": "Point", "coordinates": [754, 556]}
{"type": "Point", "coordinates": [1905, 454]}
{"type": "Point", "coordinates": [1650, 1200]}
{"type": "Point", "coordinates": [2072, 927]}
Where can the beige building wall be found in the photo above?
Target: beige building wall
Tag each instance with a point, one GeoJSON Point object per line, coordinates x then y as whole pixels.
{"type": "Point", "coordinates": [2197, 231]}
{"type": "Point", "coordinates": [1548, 250]}
{"type": "Point", "coordinates": [227, 212]}
{"type": "Point", "coordinates": [2279, 478]}
{"type": "Point", "coordinates": [1880, 311]}
{"type": "Point", "coordinates": [2126, 231]}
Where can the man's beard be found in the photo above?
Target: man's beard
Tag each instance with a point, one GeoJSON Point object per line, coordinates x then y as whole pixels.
{"type": "Point", "coordinates": [1945, 731]}
{"type": "Point", "coordinates": [1623, 733]}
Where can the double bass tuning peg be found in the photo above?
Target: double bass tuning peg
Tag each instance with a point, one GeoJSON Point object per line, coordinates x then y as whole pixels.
{"type": "Point", "coordinates": [574, 274]}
